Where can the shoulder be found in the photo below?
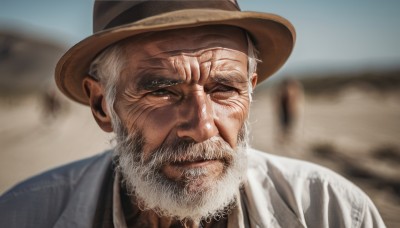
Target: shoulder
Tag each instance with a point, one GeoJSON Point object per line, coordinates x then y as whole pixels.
{"type": "Point", "coordinates": [46, 195]}
{"type": "Point", "coordinates": [316, 195]}
{"type": "Point", "coordinates": [292, 169]}
{"type": "Point", "coordinates": [65, 175]}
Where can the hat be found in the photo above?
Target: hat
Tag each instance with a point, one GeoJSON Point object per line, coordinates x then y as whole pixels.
{"type": "Point", "coordinates": [113, 20]}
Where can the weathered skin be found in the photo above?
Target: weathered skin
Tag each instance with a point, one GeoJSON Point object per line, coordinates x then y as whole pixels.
{"type": "Point", "coordinates": [187, 84]}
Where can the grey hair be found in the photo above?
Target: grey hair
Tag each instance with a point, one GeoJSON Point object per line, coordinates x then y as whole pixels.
{"type": "Point", "coordinates": [107, 67]}
{"type": "Point", "coordinates": [252, 61]}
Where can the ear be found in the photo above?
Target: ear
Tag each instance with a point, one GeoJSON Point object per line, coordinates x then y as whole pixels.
{"type": "Point", "coordinates": [254, 79]}
{"type": "Point", "coordinates": [95, 92]}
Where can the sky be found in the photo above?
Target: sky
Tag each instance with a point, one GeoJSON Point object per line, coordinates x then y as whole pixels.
{"type": "Point", "coordinates": [331, 34]}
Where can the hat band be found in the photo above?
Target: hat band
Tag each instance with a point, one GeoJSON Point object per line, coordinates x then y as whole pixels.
{"type": "Point", "coordinates": [153, 8]}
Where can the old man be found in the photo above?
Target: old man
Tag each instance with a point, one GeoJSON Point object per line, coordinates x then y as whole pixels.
{"type": "Point", "coordinates": [173, 81]}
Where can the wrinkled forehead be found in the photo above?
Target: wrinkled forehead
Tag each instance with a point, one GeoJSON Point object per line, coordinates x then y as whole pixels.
{"type": "Point", "coordinates": [187, 40]}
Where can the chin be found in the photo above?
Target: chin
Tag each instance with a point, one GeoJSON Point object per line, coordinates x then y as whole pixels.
{"type": "Point", "coordinates": [195, 177]}
{"type": "Point", "coordinates": [185, 189]}
{"type": "Point", "coordinates": [199, 193]}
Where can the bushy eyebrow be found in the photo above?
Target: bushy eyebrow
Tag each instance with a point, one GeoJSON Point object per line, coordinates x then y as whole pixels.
{"type": "Point", "coordinates": [151, 82]}
{"type": "Point", "coordinates": [229, 78]}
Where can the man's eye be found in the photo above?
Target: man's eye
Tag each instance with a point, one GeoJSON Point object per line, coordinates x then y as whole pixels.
{"type": "Point", "coordinates": [224, 89]}
{"type": "Point", "coordinates": [164, 94]}
{"type": "Point", "coordinates": [224, 92]}
{"type": "Point", "coordinates": [161, 92]}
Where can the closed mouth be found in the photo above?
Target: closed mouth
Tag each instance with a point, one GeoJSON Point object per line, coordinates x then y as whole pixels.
{"type": "Point", "coordinates": [194, 162]}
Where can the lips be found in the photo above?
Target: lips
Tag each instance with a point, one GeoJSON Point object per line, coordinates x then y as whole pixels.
{"type": "Point", "coordinates": [193, 163]}
{"type": "Point", "coordinates": [177, 171]}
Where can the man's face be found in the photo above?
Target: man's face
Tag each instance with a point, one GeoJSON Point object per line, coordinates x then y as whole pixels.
{"type": "Point", "coordinates": [183, 97]}
{"type": "Point", "coordinates": [187, 85]}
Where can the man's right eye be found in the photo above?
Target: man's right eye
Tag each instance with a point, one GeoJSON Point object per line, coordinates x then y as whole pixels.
{"type": "Point", "coordinates": [164, 94]}
{"type": "Point", "coordinates": [161, 92]}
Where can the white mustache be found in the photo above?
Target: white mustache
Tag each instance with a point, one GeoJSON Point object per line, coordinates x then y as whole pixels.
{"type": "Point", "coordinates": [213, 149]}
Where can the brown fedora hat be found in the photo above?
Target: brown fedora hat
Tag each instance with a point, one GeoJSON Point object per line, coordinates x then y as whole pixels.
{"type": "Point", "coordinates": [114, 20]}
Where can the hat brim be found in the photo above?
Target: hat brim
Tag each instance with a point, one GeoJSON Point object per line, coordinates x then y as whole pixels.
{"type": "Point", "coordinates": [273, 36]}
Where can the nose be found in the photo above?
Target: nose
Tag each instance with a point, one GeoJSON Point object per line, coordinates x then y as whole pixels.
{"type": "Point", "coordinates": [197, 118]}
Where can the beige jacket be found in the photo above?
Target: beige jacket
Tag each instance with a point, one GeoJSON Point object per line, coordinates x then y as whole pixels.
{"type": "Point", "coordinates": [283, 192]}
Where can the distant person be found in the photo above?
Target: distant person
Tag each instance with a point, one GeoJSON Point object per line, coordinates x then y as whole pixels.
{"type": "Point", "coordinates": [173, 80]}
{"type": "Point", "coordinates": [52, 104]}
{"type": "Point", "coordinates": [288, 100]}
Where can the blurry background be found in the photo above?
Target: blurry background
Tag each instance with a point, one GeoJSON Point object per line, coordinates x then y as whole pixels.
{"type": "Point", "coordinates": [336, 102]}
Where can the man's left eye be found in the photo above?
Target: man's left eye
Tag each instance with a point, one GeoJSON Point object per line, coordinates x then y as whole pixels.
{"type": "Point", "coordinates": [224, 92]}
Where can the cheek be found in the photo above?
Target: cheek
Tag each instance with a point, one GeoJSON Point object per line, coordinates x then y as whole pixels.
{"type": "Point", "coordinates": [158, 125]}
{"type": "Point", "coordinates": [230, 118]}
{"type": "Point", "coordinates": [155, 123]}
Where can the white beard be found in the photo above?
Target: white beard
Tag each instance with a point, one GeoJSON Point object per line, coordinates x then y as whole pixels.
{"type": "Point", "coordinates": [179, 199]}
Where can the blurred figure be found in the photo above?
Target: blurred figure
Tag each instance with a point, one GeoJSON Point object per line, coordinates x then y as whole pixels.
{"type": "Point", "coordinates": [288, 99]}
{"type": "Point", "coordinates": [51, 104]}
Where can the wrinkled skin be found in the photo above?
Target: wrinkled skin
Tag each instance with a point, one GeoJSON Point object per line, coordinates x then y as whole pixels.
{"type": "Point", "coordinates": [187, 84]}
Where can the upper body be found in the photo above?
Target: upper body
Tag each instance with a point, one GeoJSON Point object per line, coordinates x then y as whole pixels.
{"type": "Point", "coordinates": [278, 192]}
{"type": "Point", "coordinates": [173, 80]}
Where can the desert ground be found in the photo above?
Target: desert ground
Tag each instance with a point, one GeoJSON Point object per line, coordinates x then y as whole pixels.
{"type": "Point", "coordinates": [355, 133]}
